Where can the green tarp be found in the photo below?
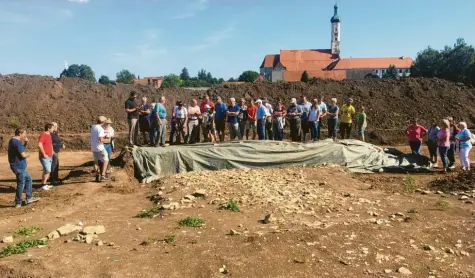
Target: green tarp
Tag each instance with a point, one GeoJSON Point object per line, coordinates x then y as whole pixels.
{"type": "Point", "coordinates": [154, 163]}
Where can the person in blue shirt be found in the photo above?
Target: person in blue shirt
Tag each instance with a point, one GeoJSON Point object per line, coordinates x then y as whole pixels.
{"type": "Point", "coordinates": [232, 114]}
{"type": "Point", "coordinates": [261, 116]}
{"type": "Point", "coordinates": [294, 112]}
{"type": "Point", "coordinates": [464, 139]}
{"type": "Point", "coordinates": [333, 111]}
{"type": "Point", "coordinates": [159, 123]}
{"type": "Point", "coordinates": [17, 160]}
{"type": "Point", "coordinates": [220, 117]}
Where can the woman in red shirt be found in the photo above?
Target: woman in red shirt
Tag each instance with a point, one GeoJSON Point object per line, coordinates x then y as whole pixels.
{"type": "Point", "coordinates": [415, 133]}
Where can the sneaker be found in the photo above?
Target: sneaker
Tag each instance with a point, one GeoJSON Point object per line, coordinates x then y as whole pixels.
{"type": "Point", "coordinates": [32, 200]}
{"type": "Point", "coordinates": [46, 187]}
{"type": "Point", "coordinates": [58, 183]}
{"type": "Point", "coordinates": [105, 179]}
{"type": "Point", "coordinates": [17, 205]}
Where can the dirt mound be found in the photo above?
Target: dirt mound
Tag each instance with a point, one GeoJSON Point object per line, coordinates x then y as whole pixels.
{"type": "Point", "coordinates": [30, 101]}
{"type": "Point", "coordinates": [462, 181]}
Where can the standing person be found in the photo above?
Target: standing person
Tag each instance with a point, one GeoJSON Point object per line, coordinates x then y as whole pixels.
{"type": "Point", "coordinates": [278, 121]}
{"type": "Point", "coordinates": [17, 159]}
{"type": "Point", "coordinates": [205, 101]}
{"type": "Point", "coordinates": [160, 122]}
{"type": "Point", "coordinates": [194, 113]}
{"type": "Point", "coordinates": [242, 118]}
{"type": "Point", "coordinates": [144, 119]}
{"type": "Point", "coordinates": [208, 126]}
{"type": "Point", "coordinates": [443, 139]}
{"type": "Point", "coordinates": [101, 158]}
{"type": "Point", "coordinates": [313, 117]}
{"type": "Point", "coordinates": [294, 112]}
{"type": "Point", "coordinates": [45, 149]}
{"type": "Point", "coordinates": [432, 141]}
{"type": "Point", "coordinates": [268, 124]}
{"type": "Point", "coordinates": [153, 124]}
{"type": "Point", "coordinates": [347, 114]}
{"type": "Point", "coordinates": [220, 117]}
{"type": "Point", "coordinates": [57, 146]}
{"type": "Point", "coordinates": [361, 123]}
{"type": "Point", "coordinates": [415, 133]}
{"type": "Point", "coordinates": [181, 117]}
{"type": "Point", "coordinates": [453, 146]}
{"type": "Point", "coordinates": [464, 137]}
{"type": "Point", "coordinates": [261, 116]}
{"type": "Point", "coordinates": [251, 120]}
{"type": "Point", "coordinates": [132, 110]}
{"type": "Point", "coordinates": [173, 125]}
{"type": "Point", "coordinates": [333, 112]}
{"type": "Point", "coordinates": [323, 114]}
{"type": "Point", "coordinates": [306, 106]}
{"type": "Point", "coordinates": [109, 136]}
{"type": "Point", "coordinates": [232, 116]}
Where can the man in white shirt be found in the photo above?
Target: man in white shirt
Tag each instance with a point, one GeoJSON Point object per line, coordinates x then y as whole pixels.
{"type": "Point", "coordinates": [101, 158]}
{"type": "Point", "coordinates": [194, 113]}
{"type": "Point", "coordinates": [269, 111]}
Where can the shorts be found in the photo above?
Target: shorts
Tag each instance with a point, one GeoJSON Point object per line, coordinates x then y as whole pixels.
{"type": "Point", "coordinates": [251, 125]}
{"type": "Point", "coordinates": [101, 156]}
{"type": "Point", "coordinates": [361, 131]}
{"type": "Point", "coordinates": [46, 163]}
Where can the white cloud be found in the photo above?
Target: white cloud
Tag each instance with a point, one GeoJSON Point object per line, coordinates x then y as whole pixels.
{"type": "Point", "coordinates": [214, 38]}
{"type": "Point", "coordinates": [192, 8]}
{"type": "Point", "coordinates": [79, 1]}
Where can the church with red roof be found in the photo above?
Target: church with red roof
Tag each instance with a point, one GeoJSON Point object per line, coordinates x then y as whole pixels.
{"type": "Point", "coordinates": [289, 65]}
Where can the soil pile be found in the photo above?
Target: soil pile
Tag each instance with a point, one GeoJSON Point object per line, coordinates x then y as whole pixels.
{"type": "Point", "coordinates": [462, 181]}
{"type": "Point", "coordinates": [30, 101]}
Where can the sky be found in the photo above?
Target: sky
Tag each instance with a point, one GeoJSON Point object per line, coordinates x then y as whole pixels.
{"type": "Point", "coordinates": [224, 37]}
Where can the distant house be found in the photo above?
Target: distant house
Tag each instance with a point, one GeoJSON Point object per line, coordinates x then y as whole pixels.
{"type": "Point", "coordinates": [289, 65]}
{"type": "Point", "coordinates": [155, 82]}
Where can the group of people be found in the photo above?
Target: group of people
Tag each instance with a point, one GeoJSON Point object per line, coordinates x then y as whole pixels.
{"type": "Point", "coordinates": [444, 138]}
{"type": "Point", "coordinates": [257, 117]}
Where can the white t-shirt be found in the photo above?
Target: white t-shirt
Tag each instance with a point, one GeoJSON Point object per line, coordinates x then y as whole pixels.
{"type": "Point", "coordinates": [109, 132]}
{"type": "Point", "coordinates": [180, 113]}
{"type": "Point", "coordinates": [97, 132]}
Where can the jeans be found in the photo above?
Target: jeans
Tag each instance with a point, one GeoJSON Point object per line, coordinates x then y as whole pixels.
{"type": "Point", "coordinates": [314, 129]}
{"type": "Point", "coordinates": [332, 127]}
{"type": "Point", "coordinates": [55, 168]}
{"type": "Point", "coordinates": [23, 182]}
{"type": "Point", "coordinates": [443, 156]}
{"type": "Point", "coordinates": [433, 150]}
{"type": "Point", "coordinates": [133, 131]}
{"type": "Point", "coordinates": [463, 156]}
{"type": "Point", "coordinates": [234, 131]}
{"type": "Point", "coordinates": [295, 129]}
{"type": "Point", "coordinates": [193, 132]}
{"type": "Point", "coordinates": [416, 147]}
{"type": "Point", "coordinates": [345, 130]}
{"type": "Point", "coordinates": [277, 132]}
{"type": "Point", "coordinates": [451, 154]}
{"type": "Point", "coordinates": [261, 129]}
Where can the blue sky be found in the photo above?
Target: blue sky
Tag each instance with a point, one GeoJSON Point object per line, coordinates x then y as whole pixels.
{"type": "Point", "coordinates": [225, 37]}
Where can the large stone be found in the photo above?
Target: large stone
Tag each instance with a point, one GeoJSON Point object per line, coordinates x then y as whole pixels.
{"type": "Point", "coordinates": [189, 197]}
{"type": "Point", "coordinates": [53, 235]}
{"type": "Point", "coordinates": [170, 205]}
{"type": "Point", "coordinates": [268, 219]}
{"type": "Point", "coordinates": [7, 239]}
{"type": "Point", "coordinates": [404, 271]}
{"type": "Point", "coordinates": [94, 230]}
{"type": "Point", "coordinates": [89, 238]}
{"type": "Point", "coordinates": [201, 193]}
{"type": "Point", "coordinates": [68, 229]}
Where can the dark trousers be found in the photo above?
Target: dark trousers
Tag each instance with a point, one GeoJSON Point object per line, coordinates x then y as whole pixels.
{"type": "Point", "coordinates": [443, 156]}
{"type": "Point", "coordinates": [415, 147]}
{"type": "Point", "coordinates": [433, 150]}
{"type": "Point", "coordinates": [345, 130]}
{"type": "Point", "coordinates": [319, 128]}
{"type": "Point", "coordinates": [242, 128]}
{"type": "Point", "coordinates": [332, 127]}
{"type": "Point", "coordinates": [451, 154]}
{"type": "Point", "coordinates": [269, 135]}
{"type": "Point", "coordinates": [261, 129]}
{"type": "Point", "coordinates": [295, 129]}
{"type": "Point", "coordinates": [55, 168]}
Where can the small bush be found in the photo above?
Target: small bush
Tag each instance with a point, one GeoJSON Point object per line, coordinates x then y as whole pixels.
{"type": "Point", "coordinates": [232, 205]}
{"type": "Point", "coordinates": [14, 122]}
{"type": "Point", "coordinates": [442, 205]}
{"type": "Point", "coordinates": [21, 247]}
{"type": "Point", "coordinates": [149, 213]}
{"type": "Point", "coordinates": [191, 221]}
{"type": "Point", "coordinates": [409, 184]}
{"type": "Point", "coordinates": [26, 231]}
{"type": "Point", "coordinates": [412, 211]}
{"type": "Point", "coordinates": [170, 238]}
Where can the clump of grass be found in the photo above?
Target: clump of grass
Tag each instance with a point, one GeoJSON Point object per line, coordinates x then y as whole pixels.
{"type": "Point", "coordinates": [409, 184]}
{"type": "Point", "coordinates": [171, 238]}
{"type": "Point", "coordinates": [442, 205]}
{"type": "Point", "coordinates": [149, 213]}
{"type": "Point", "coordinates": [14, 122]}
{"type": "Point", "coordinates": [21, 247]}
{"type": "Point", "coordinates": [232, 205]}
{"type": "Point", "coordinates": [191, 221]}
{"type": "Point", "coordinates": [26, 231]}
{"type": "Point", "coordinates": [412, 211]}
{"type": "Point", "coordinates": [149, 241]}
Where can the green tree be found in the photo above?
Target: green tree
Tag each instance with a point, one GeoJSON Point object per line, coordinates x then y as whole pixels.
{"type": "Point", "coordinates": [185, 75]}
{"type": "Point", "coordinates": [221, 80]}
{"type": "Point", "coordinates": [304, 77]}
{"type": "Point", "coordinates": [391, 72]}
{"type": "Point", "coordinates": [104, 80]}
{"type": "Point", "coordinates": [248, 76]}
{"type": "Point", "coordinates": [209, 77]}
{"type": "Point", "coordinates": [202, 74]}
{"type": "Point", "coordinates": [428, 63]}
{"type": "Point", "coordinates": [171, 81]}
{"type": "Point", "coordinates": [80, 71]}
{"type": "Point", "coordinates": [231, 79]}
{"type": "Point", "coordinates": [125, 76]}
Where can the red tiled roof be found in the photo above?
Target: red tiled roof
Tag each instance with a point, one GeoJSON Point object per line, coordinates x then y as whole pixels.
{"type": "Point", "coordinates": [372, 63]}
{"type": "Point", "coordinates": [309, 60]}
{"type": "Point", "coordinates": [270, 61]}
{"type": "Point", "coordinates": [292, 76]}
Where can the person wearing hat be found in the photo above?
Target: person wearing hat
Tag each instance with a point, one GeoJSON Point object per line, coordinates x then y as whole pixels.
{"type": "Point", "coordinates": [294, 112]}
{"type": "Point", "coordinates": [261, 116]}
{"type": "Point", "coordinates": [101, 158]}
{"type": "Point", "coordinates": [109, 143]}
{"type": "Point", "coordinates": [181, 117]}
{"type": "Point", "coordinates": [347, 113]}
{"type": "Point", "coordinates": [132, 110]}
{"type": "Point", "coordinates": [207, 124]}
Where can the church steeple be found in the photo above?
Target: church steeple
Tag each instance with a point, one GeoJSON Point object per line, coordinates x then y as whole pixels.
{"type": "Point", "coordinates": [335, 18]}
{"type": "Point", "coordinates": [335, 43]}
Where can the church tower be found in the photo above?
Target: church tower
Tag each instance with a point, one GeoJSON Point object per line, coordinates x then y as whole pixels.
{"type": "Point", "coordinates": [335, 20]}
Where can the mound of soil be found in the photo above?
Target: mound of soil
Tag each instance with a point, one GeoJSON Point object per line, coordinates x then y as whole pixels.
{"type": "Point", "coordinates": [30, 101]}
{"type": "Point", "coordinates": [462, 181]}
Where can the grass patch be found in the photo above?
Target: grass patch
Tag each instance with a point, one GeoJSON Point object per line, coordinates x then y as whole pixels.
{"type": "Point", "coordinates": [21, 247]}
{"type": "Point", "coordinates": [14, 122]}
{"type": "Point", "coordinates": [412, 211]}
{"type": "Point", "coordinates": [26, 231]}
{"type": "Point", "coordinates": [149, 213]}
{"type": "Point", "coordinates": [149, 241]}
{"type": "Point", "coordinates": [409, 184]}
{"type": "Point", "coordinates": [232, 205]}
{"type": "Point", "coordinates": [442, 205]}
{"type": "Point", "coordinates": [170, 238]}
{"type": "Point", "coordinates": [191, 221]}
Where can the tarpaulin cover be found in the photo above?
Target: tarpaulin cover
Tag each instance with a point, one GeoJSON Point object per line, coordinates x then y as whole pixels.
{"type": "Point", "coordinates": [154, 163]}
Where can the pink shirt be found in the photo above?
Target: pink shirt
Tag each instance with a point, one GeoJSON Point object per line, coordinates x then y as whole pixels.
{"type": "Point", "coordinates": [443, 137]}
{"type": "Point", "coordinates": [415, 133]}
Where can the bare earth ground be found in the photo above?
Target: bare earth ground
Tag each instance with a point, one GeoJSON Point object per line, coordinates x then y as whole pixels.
{"type": "Point", "coordinates": [326, 222]}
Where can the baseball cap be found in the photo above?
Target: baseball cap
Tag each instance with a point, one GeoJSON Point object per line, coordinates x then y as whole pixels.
{"type": "Point", "coordinates": [258, 101]}
{"type": "Point", "coordinates": [108, 121]}
{"type": "Point", "coordinates": [293, 100]}
{"type": "Point", "coordinates": [102, 119]}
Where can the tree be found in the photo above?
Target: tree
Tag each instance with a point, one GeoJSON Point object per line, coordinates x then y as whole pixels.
{"type": "Point", "coordinates": [125, 76]}
{"type": "Point", "coordinates": [428, 63]}
{"type": "Point", "coordinates": [104, 80]}
{"type": "Point", "coordinates": [80, 71]}
{"type": "Point", "coordinates": [209, 77]}
{"type": "Point", "coordinates": [202, 74]}
{"type": "Point", "coordinates": [304, 77]}
{"type": "Point", "coordinates": [171, 81]}
{"type": "Point", "coordinates": [391, 72]}
{"type": "Point", "coordinates": [185, 75]}
{"type": "Point", "coordinates": [221, 80]}
{"type": "Point", "coordinates": [231, 79]}
{"type": "Point", "coordinates": [248, 76]}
